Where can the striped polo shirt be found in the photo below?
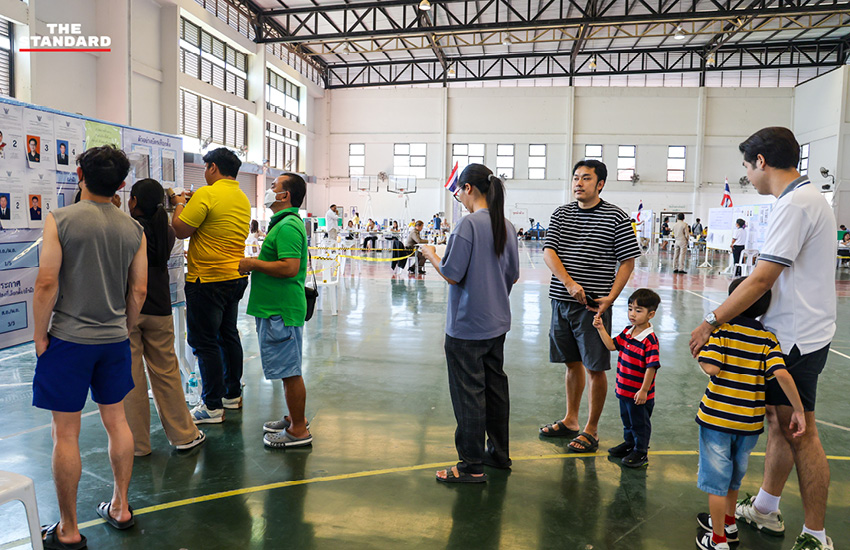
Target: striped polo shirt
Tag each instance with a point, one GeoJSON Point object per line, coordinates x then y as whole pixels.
{"type": "Point", "coordinates": [590, 243]}
{"type": "Point", "coordinates": [748, 355]}
{"type": "Point", "coordinates": [637, 353]}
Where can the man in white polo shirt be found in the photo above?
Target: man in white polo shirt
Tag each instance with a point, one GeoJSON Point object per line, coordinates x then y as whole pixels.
{"type": "Point", "coordinates": [797, 262]}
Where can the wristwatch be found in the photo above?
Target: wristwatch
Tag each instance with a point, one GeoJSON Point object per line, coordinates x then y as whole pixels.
{"type": "Point", "coordinates": [711, 319]}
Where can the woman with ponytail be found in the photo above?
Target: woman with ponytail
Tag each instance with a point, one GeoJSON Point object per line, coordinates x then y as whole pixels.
{"type": "Point", "coordinates": [153, 335]}
{"type": "Point", "coordinates": [481, 264]}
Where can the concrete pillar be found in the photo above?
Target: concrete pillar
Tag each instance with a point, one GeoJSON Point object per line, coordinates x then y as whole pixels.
{"type": "Point", "coordinates": [170, 90]}
{"type": "Point", "coordinates": [114, 93]}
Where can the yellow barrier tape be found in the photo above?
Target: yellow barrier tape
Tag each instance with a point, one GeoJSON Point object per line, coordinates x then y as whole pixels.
{"type": "Point", "coordinates": [358, 249]}
{"type": "Point", "coordinates": [367, 259]}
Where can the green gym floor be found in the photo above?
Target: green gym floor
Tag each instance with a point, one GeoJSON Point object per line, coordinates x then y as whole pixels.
{"type": "Point", "coordinates": [382, 421]}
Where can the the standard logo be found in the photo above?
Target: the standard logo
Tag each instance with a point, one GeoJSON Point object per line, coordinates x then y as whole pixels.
{"type": "Point", "coordinates": [66, 37]}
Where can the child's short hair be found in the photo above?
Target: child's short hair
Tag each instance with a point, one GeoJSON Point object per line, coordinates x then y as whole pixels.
{"type": "Point", "coordinates": [759, 308]}
{"type": "Point", "coordinates": [644, 297]}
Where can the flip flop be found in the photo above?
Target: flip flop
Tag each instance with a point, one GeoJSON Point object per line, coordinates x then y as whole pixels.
{"type": "Point", "coordinates": [50, 539]}
{"type": "Point", "coordinates": [461, 477]}
{"type": "Point", "coordinates": [103, 511]}
{"type": "Point", "coordinates": [562, 430]}
{"type": "Point", "coordinates": [586, 447]}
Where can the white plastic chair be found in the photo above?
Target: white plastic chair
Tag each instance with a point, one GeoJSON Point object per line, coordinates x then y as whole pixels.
{"type": "Point", "coordinates": [18, 487]}
{"type": "Point", "coordinates": [747, 262]}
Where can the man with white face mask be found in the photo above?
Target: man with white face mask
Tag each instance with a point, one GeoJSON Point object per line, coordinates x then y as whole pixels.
{"type": "Point", "coordinates": [278, 302]}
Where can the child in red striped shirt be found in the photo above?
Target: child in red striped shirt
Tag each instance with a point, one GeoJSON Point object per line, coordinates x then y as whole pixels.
{"type": "Point", "coordinates": [636, 367]}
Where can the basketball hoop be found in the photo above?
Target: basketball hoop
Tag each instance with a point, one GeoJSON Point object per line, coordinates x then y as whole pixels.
{"type": "Point", "coordinates": [400, 192]}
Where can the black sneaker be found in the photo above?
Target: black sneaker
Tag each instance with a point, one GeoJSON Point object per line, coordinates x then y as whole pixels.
{"type": "Point", "coordinates": [704, 542]}
{"type": "Point", "coordinates": [704, 521]}
{"type": "Point", "coordinates": [621, 450]}
{"type": "Point", "coordinates": [636, 459]}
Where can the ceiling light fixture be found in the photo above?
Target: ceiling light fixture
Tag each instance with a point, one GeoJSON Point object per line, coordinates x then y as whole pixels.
{"type": "Point", "coordinates": [451, 72]}
{"type": "Point", "coordinates": [710, 61]}
{"type": "Point", "coordinates": [346, 49]}
{"type": "Point", "coordinates": [679, 34]}
{"type": "Point", "coordinates": [425, 5]}
{"type": "Point", "coordinates": [593, 63]}
{"type": "Point", "coordinates": [507, 41]}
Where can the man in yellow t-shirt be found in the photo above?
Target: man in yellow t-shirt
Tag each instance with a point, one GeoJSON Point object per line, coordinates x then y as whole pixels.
{"type": "Point", "coordinates": [216, 223]}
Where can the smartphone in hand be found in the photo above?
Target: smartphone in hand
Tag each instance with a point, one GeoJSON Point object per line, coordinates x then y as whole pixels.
{"type": "Point", "coordinates": [591, 300]}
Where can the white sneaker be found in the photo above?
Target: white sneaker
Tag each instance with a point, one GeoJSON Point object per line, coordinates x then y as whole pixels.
{"type": "Point", "coordinates": [194, 443]}
{"type": "Point", "coordinates": [808, 542]}
{"type": "Point", "coordinates": [235, 403]}
{"type": "Point", "coordinates": [704, 542]}
{"type": "Point", "coordinates": [202, 415]}
{"type": "Point", "coordinates": [770, 524]}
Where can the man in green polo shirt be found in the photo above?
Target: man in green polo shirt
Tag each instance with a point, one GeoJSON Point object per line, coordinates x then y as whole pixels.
{"type": "Point", "coordinates": [277, 301]}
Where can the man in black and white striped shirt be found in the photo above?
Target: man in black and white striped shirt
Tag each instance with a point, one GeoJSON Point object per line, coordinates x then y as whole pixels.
{"type": "Point", "coordinates": [590, 249]}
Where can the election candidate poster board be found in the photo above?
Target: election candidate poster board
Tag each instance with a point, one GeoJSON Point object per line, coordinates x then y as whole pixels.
{"type": "Point", "coordinates": [38, 150]}
{"type": "Point", "coordinates": [721, 225]}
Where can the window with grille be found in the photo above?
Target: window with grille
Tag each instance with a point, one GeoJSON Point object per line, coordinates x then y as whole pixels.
{"type": "Point", "coordinates": [626, 162]}
{"type": "Point", "coordinates": [204, 119]}
{"type": "Point", "coordinates": [282, 147]}
{"type": "Point", "coordinates": [593, 152]}
{"type": "Point", "coordinates": [505, 161]}
{"type": "Point", "coordinates": [465, 154]}
{"type": "Point", "coordinates": [283, 96]}
{"type": "Point", "coordinates": [804, 159]}
{"type": "Point", "coordinates": [536, 162]}
{"type": "Point", "coordinates": [207, 58]}
{"type": "Point", "coordinates": [676, 163]}
{"type": "Point", "coordinates": [7, 83]}
{"type": "Point", "coordinates": [409, 159]}
{"type": "Point", "coordinates": [357, 159]}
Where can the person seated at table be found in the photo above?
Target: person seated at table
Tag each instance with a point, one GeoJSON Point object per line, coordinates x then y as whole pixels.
{"type": "Point", "coordinates": [414, 238]}
{"type": "Point", "coordinates": [370, 241]}
{"type": "Point", "coordinates": [844, 248]}
{"type": "Point", "coordinates": [520, 234]}
{"type": "Point", "coordinates": [395, 226]}
{"type": "Point", "coordinates": [350, 235]}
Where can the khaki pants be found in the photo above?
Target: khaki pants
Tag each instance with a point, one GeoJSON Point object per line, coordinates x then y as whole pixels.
{"type": "Point", "coordinates": [153, 338]}
{"type": "Point", "coordinates": [680, 256]}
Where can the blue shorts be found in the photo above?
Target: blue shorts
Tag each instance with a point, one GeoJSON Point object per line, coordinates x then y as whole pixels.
{"type": "Point", "coordinates": [280, 348]}
{"type": "Point", "coordinates": [723, 459]}
{"type": "Point", "coordinates": [65, 372]}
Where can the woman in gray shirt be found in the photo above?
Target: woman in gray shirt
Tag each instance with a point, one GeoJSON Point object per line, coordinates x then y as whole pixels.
{"type": "Point", "coordinates": [481, 265]}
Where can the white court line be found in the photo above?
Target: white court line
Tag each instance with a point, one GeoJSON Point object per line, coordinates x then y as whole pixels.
{"type": "Point", "coordinates": [830, 424]}
{"type": "Point", "coordinates": [16, 385]}
{"type": "Point", "coordinates": [529, 257]}
{"type": "Point", "coordinates": [37, 428]}
{"type": "Point", "coordinates": [18, 355]}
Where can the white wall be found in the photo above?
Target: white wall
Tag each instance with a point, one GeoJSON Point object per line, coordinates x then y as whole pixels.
{"type": "Point", "coordinates": [565, 120]}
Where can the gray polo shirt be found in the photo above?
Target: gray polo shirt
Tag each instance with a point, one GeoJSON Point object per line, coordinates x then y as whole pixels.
{"type": "Point", "coordinates": [479, 304]}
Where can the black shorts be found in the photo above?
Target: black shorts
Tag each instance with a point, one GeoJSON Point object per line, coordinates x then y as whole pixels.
{"type": "Point", "coordinates": [573, 338]}
{"type": "Point", "coordinates": [804, 369]}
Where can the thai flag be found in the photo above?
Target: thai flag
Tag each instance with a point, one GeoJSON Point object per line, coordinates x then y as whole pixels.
{"type": "Point", "coordinates": [726, 201]}
{"type": "Point", "coordinates": [640, 208]}
{"type": "Point", "coordinates": [451, 184]}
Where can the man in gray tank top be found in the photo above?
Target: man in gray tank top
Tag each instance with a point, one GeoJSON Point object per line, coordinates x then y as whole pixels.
{"type": "Point", "coordinates": [92, 280]}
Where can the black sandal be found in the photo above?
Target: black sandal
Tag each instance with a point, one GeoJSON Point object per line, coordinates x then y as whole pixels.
{"type": "Point", "coordinates": [103, 511]}
{"type": "Point", "coordinates": [50, 539]}
{"type": "Point", "coordinates": [586, 447]}
{"type": "Point", "coordinates": [461, 477]}
{"type": "Point", "coordinates": [562, 430]}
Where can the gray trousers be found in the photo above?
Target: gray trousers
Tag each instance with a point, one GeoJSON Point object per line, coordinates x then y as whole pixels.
{"type": "Point", "coordinates": [680, 256]}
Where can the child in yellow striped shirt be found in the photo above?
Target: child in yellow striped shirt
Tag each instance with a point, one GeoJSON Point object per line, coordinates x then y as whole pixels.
{"type": "Point", "coordinates": [740, 357]}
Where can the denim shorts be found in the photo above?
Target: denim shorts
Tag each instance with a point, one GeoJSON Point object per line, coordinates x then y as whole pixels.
{"type": "Point", "coordinates": [723, 459]}
{"type": "Point", "coordinates": [280, 348]}
{"type": "Point", "coordinates": [66, 371]}
{"type": "Point", "coordinates": [573, 338]}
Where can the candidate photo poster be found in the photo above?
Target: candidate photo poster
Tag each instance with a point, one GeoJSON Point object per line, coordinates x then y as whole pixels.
{"type": "Point", "coordinates": [40, 140]}
{"type": "Point", "coordinates": [70, 136]}
{"type": "Point", "coordinates": [41, 197]}
{"type": "Point", "coordinates": [12, 140]}
{"type": "Point", "coordinates": [13, 200]}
